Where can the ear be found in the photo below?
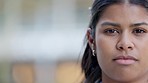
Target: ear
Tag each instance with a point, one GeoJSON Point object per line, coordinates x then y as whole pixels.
{"type": "Point", "coordinates": [90, 37]}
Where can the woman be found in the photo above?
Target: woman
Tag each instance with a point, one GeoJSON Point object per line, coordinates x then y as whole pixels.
{"type": "Point", "coordinates": [117, 39]}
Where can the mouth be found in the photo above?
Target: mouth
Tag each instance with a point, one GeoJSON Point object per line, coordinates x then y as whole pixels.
{"type": "Point", "coordinates": [125, 60]}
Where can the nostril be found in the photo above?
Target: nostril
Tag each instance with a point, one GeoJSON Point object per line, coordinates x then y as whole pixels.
{"type": "Point", "coordinates": [121, 48]}
{"type": "Point", "coordinates": [129, 47]}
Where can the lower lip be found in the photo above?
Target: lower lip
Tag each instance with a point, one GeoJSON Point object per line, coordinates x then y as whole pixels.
{"type": "Point", "coordinates": [125, 62]}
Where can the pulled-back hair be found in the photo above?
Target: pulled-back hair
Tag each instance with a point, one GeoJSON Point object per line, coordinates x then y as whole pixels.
{"type": "Point", "coordinates": [89, 64]}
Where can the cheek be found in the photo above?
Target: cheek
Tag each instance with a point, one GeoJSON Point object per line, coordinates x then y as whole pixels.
{"type": "Point", "coordinates": [142, 46]}
{"type": "Point", "coordinates": [143, 49]}
{"type": "Point", "coordinates": [105, 47]}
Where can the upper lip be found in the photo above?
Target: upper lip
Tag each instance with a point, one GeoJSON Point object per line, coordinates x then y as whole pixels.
{"type": "Point", "coordinates": [123, 57]}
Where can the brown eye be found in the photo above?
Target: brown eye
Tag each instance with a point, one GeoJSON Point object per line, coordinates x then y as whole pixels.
{"type": "Point", "coordinates": [139, 31]}
{"type": "Point", "coordinates": [111, 32]}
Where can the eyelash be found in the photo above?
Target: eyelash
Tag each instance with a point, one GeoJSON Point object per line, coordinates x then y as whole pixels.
{"type": "Point", "coordinates": [136, 31]}
{"type": "Point", "coordinates": [139, 31]}
{"type": "Point", "coordinates": [111, 31]}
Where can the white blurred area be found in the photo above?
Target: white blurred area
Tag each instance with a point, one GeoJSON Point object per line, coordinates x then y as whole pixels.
{"type": "Point", "coordinates": [38, 29]}
{"type": "Point", "coordinates": [42, 33]}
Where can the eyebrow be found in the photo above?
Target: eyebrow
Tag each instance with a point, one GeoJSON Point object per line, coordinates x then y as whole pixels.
{"type": "Point", "coordinates": [118, 25]}
{"type": "Point", "coordinates": [110, 24]}
{"type": "Point", "coordinates": [139, 24]}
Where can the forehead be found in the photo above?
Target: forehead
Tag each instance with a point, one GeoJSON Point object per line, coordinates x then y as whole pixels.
{"type": "Point", "coordinates": [124, 13]}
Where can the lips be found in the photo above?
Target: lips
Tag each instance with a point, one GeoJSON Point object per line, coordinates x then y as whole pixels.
{"type": "Point", "coordinates": [125, 60]}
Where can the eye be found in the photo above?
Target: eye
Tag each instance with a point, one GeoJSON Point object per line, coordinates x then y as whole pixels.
{"type": "Point", "coordinates": [111, 32]}
{"type": "Point", "coordinates": [138, 31]}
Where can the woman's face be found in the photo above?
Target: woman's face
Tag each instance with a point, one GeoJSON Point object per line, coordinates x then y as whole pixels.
{"type": "Point", "coordinates": [122, 43]}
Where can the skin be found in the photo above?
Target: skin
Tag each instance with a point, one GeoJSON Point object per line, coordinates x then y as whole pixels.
{"type": "Point", "coordinates": [122, 30]}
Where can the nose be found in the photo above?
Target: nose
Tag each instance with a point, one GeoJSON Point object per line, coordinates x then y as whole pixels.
{"type": "Point", "coordinates": [125, 43]}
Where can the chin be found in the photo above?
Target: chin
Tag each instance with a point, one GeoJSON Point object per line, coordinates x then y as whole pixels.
{"type": "Point", "coordinates": [128, 78]}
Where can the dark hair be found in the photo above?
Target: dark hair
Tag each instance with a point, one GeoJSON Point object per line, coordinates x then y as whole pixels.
{"type": "Point", "coordinates": [89, 63]}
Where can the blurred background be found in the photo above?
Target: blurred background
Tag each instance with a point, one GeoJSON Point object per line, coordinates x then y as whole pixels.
{"type": "Point", "coordinates": [41, 41]}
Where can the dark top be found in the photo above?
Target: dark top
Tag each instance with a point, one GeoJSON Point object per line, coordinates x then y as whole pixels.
{"type": "Point", "coordinates": [98, 81]}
